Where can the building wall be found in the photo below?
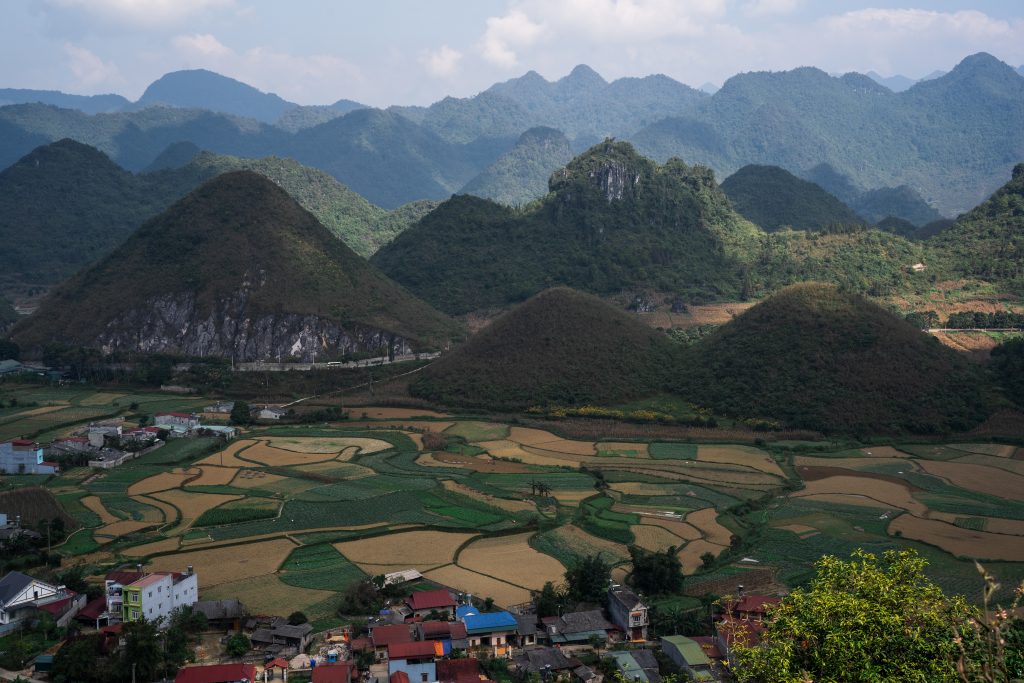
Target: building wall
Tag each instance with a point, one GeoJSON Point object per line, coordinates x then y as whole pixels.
{"type": "Point", "coordinates": [158, 599]}
{"type": "Point", "coordinates": [22, 460]}
{"type": "Point", "coordinates": [414, 669]}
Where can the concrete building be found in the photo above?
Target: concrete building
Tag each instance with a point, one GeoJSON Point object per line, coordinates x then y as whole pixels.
{"type": "Point", "coordinates": [415, 659]}
{"type": "Point", "coordinates": [689, 656]}
{"type": "Point", "coordinates": [628, 612]}
{"type": "Point", "coordinates": [21, 596]}
{"type": "Point", "coordinates": [155, 596]}
{"type": "Point", "coordinates": [188, 421]}
{"type": "Point", "coordinates": [22, 456]}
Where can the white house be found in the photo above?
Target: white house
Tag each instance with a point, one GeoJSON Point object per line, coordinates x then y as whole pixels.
{"type": "Point", "coordinates": [21, 595]}
{"type": "Point", "coordinates": [22, 456]}
{"type": "Point", "coordinates": [270, 413]}
{"type": "Point", "coordinates": [628, 612]}
{"type": "Point", "coordinates": [187, 420]}
{"type": "Point", "coordinates": [154, 596]}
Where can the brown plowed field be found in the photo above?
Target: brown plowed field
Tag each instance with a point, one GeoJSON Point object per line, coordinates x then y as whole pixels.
{"type": "Point", "coordinates": [958, 541]}
{"type": "Point", "coordinates": [511, 559]}
{"type": "Point", "coordinates": [230, 563]}
{"type": "Point", "coordinates": [978, 478]}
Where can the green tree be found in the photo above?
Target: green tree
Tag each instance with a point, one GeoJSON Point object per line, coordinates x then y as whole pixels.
{"type": "Point", "coordinates": [238, 645]}
{"type": "Point", "coordinates": [1008, 368]}
{"type": "Point", "coordinates": [9, 350]}
{"type": "Point", "coordinates": [76, 662]}
{"type": "Point", "coordinates": [656, 572]}
{"type": "Point", "coordinates": [240, 414]}
{"type": "Point", "coordinates": [862, 620]}
{"type": "Point", "coordinates": [296, 618]}
{"type": "Point", "coordinates": [548, 600]}
{"type": "Point", "coordinates": [587, 579]}
{"type": "Point", "coordinates": [360, 597]}
{"type": "Point", "coordinates": [142, 652]}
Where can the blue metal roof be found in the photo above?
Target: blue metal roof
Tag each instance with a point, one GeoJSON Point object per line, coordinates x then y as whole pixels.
{"type": "Point", "coordinates": [492, 621]}
{"type": "Point", "coordinates": [464, 611]}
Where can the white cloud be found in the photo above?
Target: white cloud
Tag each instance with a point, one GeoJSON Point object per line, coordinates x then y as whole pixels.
{"type": "Point", "coordinates": [89, 70]}
{"type": "Point", "coordinates": [151, 14]}
{"type": "Point", "coordinates": [441, 63]}
{"type": "Point", "coordinates": [204, 44]}
{"type": "Point", "coordinates": [766, 8]}
{"type": "Point", "coordinates": [504, 35]}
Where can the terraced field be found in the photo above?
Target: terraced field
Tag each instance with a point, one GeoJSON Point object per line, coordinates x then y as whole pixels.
{"type": "Point", "coordinates": [284, 517]}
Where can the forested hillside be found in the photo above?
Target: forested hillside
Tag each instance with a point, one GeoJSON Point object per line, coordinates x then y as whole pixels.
{"type": "Point", "coordinates": [774, 198]}
{"type": "Point", "coordinates": [520, 175]}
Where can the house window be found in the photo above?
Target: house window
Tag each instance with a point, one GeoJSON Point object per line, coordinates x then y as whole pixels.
{"type": "Point", "coordinates": [423, 677]}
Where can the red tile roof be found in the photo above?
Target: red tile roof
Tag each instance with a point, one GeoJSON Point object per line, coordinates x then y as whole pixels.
{"type": "Point", "coordinates": [188, 415]}
{"type": "Point", "coordinates": [277, 663]}
{"type": "Point", "coordinates": [332, 673]}
{"type": "Point", "coordinates": [93, 609]}
{"type": "Point", "coordinates": [708, 644]}
{"type": "Point", "coordinates": [746, 631]}
{"type": "Point", "coordinates": [386, 635]}
{"type": "Point", "coordinates": [124, 577]}
{"type": "Point", "coordinates": [754, 604]}
{"type": "Point", "coordinates": [361, 643]}
{"type": "Point", "coordinates": [465, 670]}
{"type": "Point", "coordinates": [399, 677]}
{"type": "Point", "coordinates": [50, 463]}
{"type": "Point", "coordinates": [57, 607]}
{"type": "Point", "coordinates": [22, 442]}
{"type": "Point", "coordinates": [417, 649]}
{"type": "Point", "coordinates": [430, 599]}
{"type": "Point", "coordinates": [216, 673]}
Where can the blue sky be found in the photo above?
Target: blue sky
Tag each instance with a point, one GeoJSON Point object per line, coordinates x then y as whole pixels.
{"type": "Point", "coordinates": [415, 52]}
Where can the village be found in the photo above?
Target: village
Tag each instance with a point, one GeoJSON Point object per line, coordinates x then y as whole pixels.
{"type": "Point", "coordinates": [432, 635]}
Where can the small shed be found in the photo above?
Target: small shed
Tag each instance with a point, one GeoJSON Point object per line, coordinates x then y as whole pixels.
{"type": "Point", "coordinates": [689, 656]}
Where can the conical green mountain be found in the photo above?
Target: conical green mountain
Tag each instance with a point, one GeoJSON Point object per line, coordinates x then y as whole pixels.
{"type": "Point", "coordinates": [814, 357]}
{"type": "Point", "coordinates": [988, 241]}
{"type": "Point", "coordinates": [562, 347]}
{"type": "Point", "coordinates": [237, 268]}
{"type": "Point", "coordinates": [612, 220]}
{"type": "Point", "coordinates": [774, 198]}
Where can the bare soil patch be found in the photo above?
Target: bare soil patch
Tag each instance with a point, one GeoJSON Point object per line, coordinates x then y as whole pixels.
{"type": "Point", "coordinates": [549, 442]}
{"type": "Point", "coordinates": [1010, 527]}
{"type": "Point", "coordinates": [853, 464]}
{"type": "Point", "coordinates": [978, 478]}
{"type": "Point", "coordinates": [229, 563]}
{"type": "Point", "coordinates": [511, 559]}
{"type": "Point", "coordinates": [811, 473]}
{"type": "Point", "coordinates": [799, 529]}
{"type": "Point", "coordinates": [478, 464]}
{"type": "Point", "coordinates": [385, 413]}
{"type": "Point", "coordinates": [959, 541]}
{"type": "Point", "coordinates": [413, 549]}
{"type": "Point", "coordinates": [994, 449]}
{"type": "Point", "coordinates": [263, 453]}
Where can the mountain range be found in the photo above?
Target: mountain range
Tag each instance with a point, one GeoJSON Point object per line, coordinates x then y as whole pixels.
{"type": "Point", "coordinates": [236, 268]}
{"type": "Point", "coordinates": [950, 140]}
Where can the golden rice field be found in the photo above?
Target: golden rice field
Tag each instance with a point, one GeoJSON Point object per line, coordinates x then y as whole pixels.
{"type": "Point", "coordinates": [96, 505]}
{"type": "Point", "coordinates": [160, 482]}
{"type": "Point", "coordinates": [168, 513]}
{"type": "Point", "coordinates": [325, 445]}
{"type": "Point", "coordinates": [412, 549]}
{"type": "Point", "coordinates": [865, 489]}
{"type": "Point", "coordinates": [118, 529]}
{"type": "Point", "coordinates": [263, 453]}
{"type": "Point", "coordinates": [977, 478]}
{"type": "Point", "coordinates": [267, 594]}
{"type": "Point", "coordinates": [968, 543]}
{"type": "Point", "coordinates": [511, 559]}
{"type": "Point", "coordinates": [654, 538]}
{"type": "Point", "coordinates": [706, 521]}
{"type": "Point", "coordinates": [228, 563]}
{"type": "Point", "coordinates": [478, 585]}
{"type": "Point", "coordinates": [993, 449]}
{"type": "Point", "coordinates": [228, 457]}
{"type": "Point", "coordinates": [579, 542]}
{"type": "Point", "coordinates": [683, 530]}
{"type": "Point", "coordinates": [162, 546]}
{"type": "Point", "coordinates": [743, 456]}
{"type": "Point", "coordinates": [690, 555]}
{"type": "Point", "coordinates": [192, 505]}
{"type": "Point", "coordinates": [211, 475]}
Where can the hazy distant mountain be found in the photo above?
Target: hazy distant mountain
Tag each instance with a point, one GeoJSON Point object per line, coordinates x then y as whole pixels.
{"type": "Point", "coordinates": [897, 83]}
{"type": "Point", "coordinates": [952, 138]}
{"type": "Point", "coordinates": [300, 117]}
{"type": "Point", "coordinates": [580, 104]}
{"type": "Point", "coordinates": [90, 104]}
{"type": "Point", "coordinates": [710, 88]}
{"type": "Point", "coordinates": [202, 89]}
{"type": "Point", "coordinates": [235, 269]}
{"type": "Point", "coordinates": [175, 156]}
{"type": "Point", "coordinates": [389, 159]}
{"type": "Point", "coordinates": [899, 202]}
{"type": "Point", "coordinates": [521, 174]}
{"type": "Point", "coordinates": [774, 198]}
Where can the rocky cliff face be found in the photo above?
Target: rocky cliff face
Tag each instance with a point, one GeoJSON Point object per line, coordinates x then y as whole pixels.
{"type": "Point", "coordinates": [175, 324]}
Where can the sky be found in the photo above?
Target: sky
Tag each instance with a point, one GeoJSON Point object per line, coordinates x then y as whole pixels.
{"type": "Point", "coordinates": [418, 51]}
